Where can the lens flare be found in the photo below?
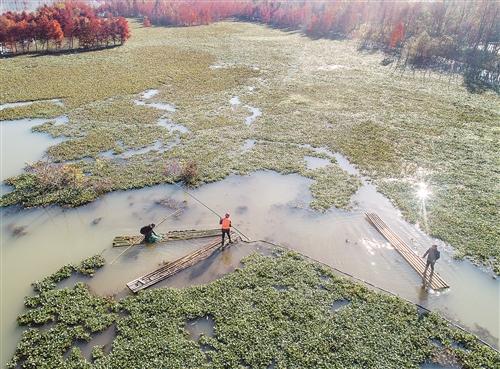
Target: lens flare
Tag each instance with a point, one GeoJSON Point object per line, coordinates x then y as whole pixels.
{"type": "Point", "coordinates": [423, 191]}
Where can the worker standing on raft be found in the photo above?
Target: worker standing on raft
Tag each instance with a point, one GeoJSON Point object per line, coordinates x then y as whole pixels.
{"type": "Point", "coordinates": [433, 255]}
{"type": "Point", "coordinates": [226, 227]}
{"type": "Point", "coordinates": [149, 234]}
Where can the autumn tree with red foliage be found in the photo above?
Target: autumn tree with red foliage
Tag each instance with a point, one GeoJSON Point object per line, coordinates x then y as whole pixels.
{"type": "Point", "coordinates": [60, 25]}
{"type": "Point", "coordinates": [397, 34]}
{"type": "Point", "coordinates": [457, 35]}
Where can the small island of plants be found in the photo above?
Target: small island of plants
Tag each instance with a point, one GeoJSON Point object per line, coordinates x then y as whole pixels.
{"type": "Point", "coordinates": [278, 311]}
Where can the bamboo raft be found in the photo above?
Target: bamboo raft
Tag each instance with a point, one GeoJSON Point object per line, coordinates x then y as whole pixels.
{"type": "Point", "coordinates": [417, 263]}
{"type": "Point", "coordinates": [121, 241]}
{"type": "Point", "coordinates": [176, 266]}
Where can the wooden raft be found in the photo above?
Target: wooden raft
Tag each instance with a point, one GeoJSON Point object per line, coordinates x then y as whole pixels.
{"type": "Point", "coordinates": [176, 266]}
{"type": "Point", "coordinates": [120, 241]}
{"type": "Point", "coordinates": [406, 252]}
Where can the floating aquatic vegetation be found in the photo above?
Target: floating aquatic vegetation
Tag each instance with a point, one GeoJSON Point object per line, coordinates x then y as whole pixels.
{"type": "Point", "coordinates": [171, 203]}
{"type": "Point", "coordinates": [189, 173]}
{"type": "Point", "coordinates": [242, 209]}
{"type": "Point", "coordinates": [85, 267]}
{"type": "Point", "coordinates": [47, 183]}
{"type": "Point", "coordinates": [89, 266]}
{"type": "Point", "coordinates": [36, 109]}
{"type": "Point", "coordinates": [199, 70]}
{"type": "Point", "coordinates": [255, 325]}
{"type": "Point", "coordinates": [17, 230]}
{"type": "Point", "coordinates": [332, 187]}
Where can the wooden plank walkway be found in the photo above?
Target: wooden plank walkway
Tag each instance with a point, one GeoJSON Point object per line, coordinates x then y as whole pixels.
{"type": "Point", "coordinates": [406, 252]}
{"type": "Point", "coordinates": [121, 241]}
{"type": "Point", "coordinates": [184, 262]}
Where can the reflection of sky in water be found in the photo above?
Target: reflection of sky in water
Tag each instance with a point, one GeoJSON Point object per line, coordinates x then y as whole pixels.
{"type": "Point", "coordinates": [372, 246]}
{"type": "Point", "coordinates": [148, 94]}
{"type": "Point", "coordinates": [248, 145]}
{"type": "Point", "coordinates": [256, 112]}
{"type": "Point", "coordinates": [313, 162]}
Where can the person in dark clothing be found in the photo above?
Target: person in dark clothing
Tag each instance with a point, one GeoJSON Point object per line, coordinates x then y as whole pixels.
{"type": "Point", "coordinates": [149, 234]}
{"type": "Point", "coordinates": [226, 228]}
{"type": "Point", "coordinates": [432, 256]}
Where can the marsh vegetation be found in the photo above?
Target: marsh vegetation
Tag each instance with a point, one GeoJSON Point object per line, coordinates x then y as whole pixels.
{"type": "Point", "coordinates": [397, 129]}
{"type": "Point", "coordinates": [241, 320]}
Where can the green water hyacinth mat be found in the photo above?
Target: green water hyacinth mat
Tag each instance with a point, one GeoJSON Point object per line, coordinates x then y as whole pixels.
{"type": "Point", "coordinates": [278, 311]}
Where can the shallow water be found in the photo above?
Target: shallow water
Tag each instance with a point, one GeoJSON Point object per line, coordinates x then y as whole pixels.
{"type": "Point", "coordinates": [159, 106]}
{"type": "Point", "coordinates": [200, 326]}
{"type": "Point", "coordinates": [330, 67]}
{"type": "Point", "coordinates": [234, 101]}
{"type": "Point", "coordinates": [341, 239]}
{"type": "Point", "coordinates": [15, 155]}
{"type": "Point", "coordinates": [171, 126]}
{"type": "Point", "coordinates": [264, 206]}
{"type": "Point", "coordinates": [26, 103]}
{"type": "Point", "coordinates": [104, 338]}
{"type": "Point", "coordinates": [248, 145]}
{"type": "Point", "coordinates": [437, 366]}
{"type": "Point", "coordinates": [339, 305]}
{"type": "Point", "coordinates": [313, 162]}
{"type": "Point", "coordinates": [158, 146]}
{"type": "Point", "coordinates": [148, 94]}
{"type": "Point", "coordinates": [256, 112]}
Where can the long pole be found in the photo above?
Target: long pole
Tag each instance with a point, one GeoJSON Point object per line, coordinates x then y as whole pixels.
{"type": "Point", "coordinates": [213, 211]}
{"type": "Point", "coordinates": [170, 215]}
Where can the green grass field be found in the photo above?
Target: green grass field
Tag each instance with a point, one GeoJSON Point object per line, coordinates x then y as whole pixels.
{"type": "Point", "coordinates": [398, 129]}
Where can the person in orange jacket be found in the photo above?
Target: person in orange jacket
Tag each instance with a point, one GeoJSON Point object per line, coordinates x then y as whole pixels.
{"type": "Point", "coordinates": [226, 228]}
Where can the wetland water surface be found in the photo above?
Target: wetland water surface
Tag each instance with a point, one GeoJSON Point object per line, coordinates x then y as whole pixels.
{"type": "Point", "coordinates": [14, 155]}
{"type": "Point", "coordinates": [264, 206]}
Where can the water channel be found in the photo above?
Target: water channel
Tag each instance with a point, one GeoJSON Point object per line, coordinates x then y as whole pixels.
{"type": "Point", "coordinates": [264, 205]}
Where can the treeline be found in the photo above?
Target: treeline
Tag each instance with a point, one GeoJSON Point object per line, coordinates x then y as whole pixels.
{"type": "Point", "coordinates": [456, 36]}
{"type": "Point", "coordinates": [62, 26]}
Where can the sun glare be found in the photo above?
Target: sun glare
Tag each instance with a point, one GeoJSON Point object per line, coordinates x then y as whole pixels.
{"type": "Point", "coordinates": [423, 191]}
